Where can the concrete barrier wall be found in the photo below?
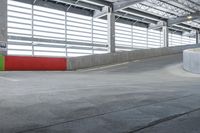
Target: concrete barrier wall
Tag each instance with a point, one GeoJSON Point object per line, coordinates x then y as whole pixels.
{"type": "Point", "coordinates": [28, 63]}
{"type": "Point", "coordinates": [75, 63]}
{"type": "Point", "coordinates": [25, 63]}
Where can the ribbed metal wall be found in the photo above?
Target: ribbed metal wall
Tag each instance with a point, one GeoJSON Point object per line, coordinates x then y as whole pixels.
{"type": "Point", "coordinates": [39, 31]}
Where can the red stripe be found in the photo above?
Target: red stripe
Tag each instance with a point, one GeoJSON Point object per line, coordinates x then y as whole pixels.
{"type": "Point", "coordinates": [22, 63]}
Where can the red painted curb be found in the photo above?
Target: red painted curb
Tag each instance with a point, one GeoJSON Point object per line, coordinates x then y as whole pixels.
{"type": "Point", "coordinates": [24, 63]}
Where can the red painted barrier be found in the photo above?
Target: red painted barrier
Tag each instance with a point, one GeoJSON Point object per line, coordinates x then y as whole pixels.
{"type": "Point", "coordinates": [24, 63]}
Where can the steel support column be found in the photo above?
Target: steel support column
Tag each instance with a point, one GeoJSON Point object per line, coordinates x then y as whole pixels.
{"type": "Point", "coordinates": [197, 37]}
{"type": "Point", "coordinates": [165, 35]}
{"type": "Point", "coordinates": [111, 30]}
{"type": "Point", "coordinates": [3, 27]}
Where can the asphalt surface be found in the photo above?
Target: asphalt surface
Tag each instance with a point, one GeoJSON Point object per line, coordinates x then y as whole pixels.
{"type": "Point", "coordinates": [145, 96]}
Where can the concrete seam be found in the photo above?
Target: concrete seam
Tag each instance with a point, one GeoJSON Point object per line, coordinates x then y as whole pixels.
{"type": "Point", "coordinates": [166, 119]}
{"type": "Point", "coordinates": [92, 116]}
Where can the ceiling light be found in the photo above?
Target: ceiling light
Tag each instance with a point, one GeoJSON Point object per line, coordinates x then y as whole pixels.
{"type": "Point", "coordinates": [189, 17]}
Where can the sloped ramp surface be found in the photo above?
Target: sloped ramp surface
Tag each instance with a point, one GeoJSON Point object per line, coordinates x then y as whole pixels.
{"type": "Point", "coordinates": [142, 96]}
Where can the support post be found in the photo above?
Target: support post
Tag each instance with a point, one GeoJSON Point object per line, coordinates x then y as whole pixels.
{"type": "Point", "coordinates": [3, 27]}
{"type": "Point", "coordinates": [165, 35]}
{"type": "Point", "coordinates": [111, 30]}
{"type": "Point", "coordinates": [197, 36]}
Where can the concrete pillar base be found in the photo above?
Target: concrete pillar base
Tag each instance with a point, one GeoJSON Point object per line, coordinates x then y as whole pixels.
{"type": "Point", "coordinates": [3, 48]}
{"type": "Point", "coordinates": [3, 52]}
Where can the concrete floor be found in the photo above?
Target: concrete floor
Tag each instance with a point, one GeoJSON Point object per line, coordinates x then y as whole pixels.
{"type": "Point", "coordinates": [146, 96]}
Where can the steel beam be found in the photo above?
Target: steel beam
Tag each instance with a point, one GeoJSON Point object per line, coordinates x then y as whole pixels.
{"type": "Point", "coordinates": [178, 20]}
{"type": "Point", "coordinates": [131, 22]}
{"type": "Point", "coordinates": [182, 28]}
{"type": "Point", "coordinates": [134, 17]}
{"type": "Point", "coordinates": [111, 31]}
{"type": "Point", "coordinates": [124, 4]}
{"type": "Point", "coordinates": [25, 1]}
{"type": "Point", "coordinates": [80, 4]}
{"type": "Point", "coordinates": [197, 36]}
{"type": "Point", "coordinates": [177, 28]}
{"type": "Point", "coordinates": [102, 13]}
{"type": "Point", "coordinates": [181, 19]}
{"type": "Point", "coordinates": [143, 14]}
{"type": "Point", "coordinates": [165, 35]}
{"type": "Point", "coordinates": [188, 26]}
{"type": "Point", "coordinates": [119, 5]}
{"type": "Point", "coordinates": [58, 7]}
{"type": "Point", "coordinates": [100, 2]}
{"type": "Point", "coordinates": [174, 31]}
{"type": "Point", "coordinates": [178, 5]}
{"type": "Point", "coordinates": [54, 41]}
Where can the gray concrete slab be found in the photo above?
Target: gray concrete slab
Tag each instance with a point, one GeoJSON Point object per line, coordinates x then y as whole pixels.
{"type": "Point", "coordinates": [131, 97]}
{"type": "Point", "coordinates": [185, 124]}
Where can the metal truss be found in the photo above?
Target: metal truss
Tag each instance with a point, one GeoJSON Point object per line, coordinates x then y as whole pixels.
{"type": "Point", "coordinates": [171, 9]}
{"type": "Point", "coordinates": [147, 10]}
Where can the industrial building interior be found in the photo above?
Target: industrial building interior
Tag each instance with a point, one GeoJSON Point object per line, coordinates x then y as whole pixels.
{"type": "Point", "coordinates": [99, 66]}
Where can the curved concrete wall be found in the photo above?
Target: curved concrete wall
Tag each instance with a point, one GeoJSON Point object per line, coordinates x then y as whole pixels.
{"type": "Point", "coordinates": [191, 60]}
{"type": "Point", "coordinates": [75, 63]}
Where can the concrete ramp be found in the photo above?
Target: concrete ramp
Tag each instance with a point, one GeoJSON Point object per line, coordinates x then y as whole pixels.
{"type": "Point", "coordinates": [144, 96]}
{"type": "Point", "coordinates": [75, 63]}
